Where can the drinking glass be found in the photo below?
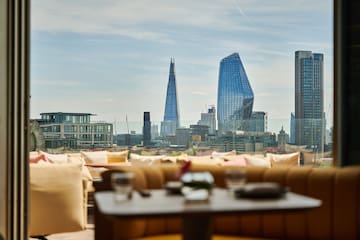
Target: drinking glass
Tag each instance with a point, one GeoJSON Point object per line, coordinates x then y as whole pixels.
{"type": "Point", "coordinates": [122, 184]}
{"type": "Point", "coordinates": [235, 178]}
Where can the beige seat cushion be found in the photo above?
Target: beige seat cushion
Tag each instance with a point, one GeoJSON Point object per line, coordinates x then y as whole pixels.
{"type": "Point", "coordinates": [56, 199]}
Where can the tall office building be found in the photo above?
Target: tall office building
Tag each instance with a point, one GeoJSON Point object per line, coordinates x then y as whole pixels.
{"type": "Point", "coordinates": [171, 115]}
{"type": "Point", "coordinates": [309, 105]}
{"type": "Point", "coordinates": [235, 96]}
{"type": "Point", "coordinates": [182, 137]}
{"type": "Point", "coordinates": [200, 131]}
{"type": "Point", "coordinates": [209, 119]}
{"type": "Point", "coordinates": [257, 122]}
{"type": "Point", "coordinates": [147, 129]}
{"type": "Point", "coordinates": [154, 131]}
{"type": "Point", "coordinates": [292, 128]}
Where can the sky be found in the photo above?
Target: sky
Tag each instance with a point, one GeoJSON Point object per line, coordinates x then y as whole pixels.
{"type": "Point", "coordinates": [112, 57]}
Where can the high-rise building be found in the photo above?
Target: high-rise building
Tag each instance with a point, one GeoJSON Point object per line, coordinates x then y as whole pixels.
{"type": "Point", "coordinates": [154, 131]}
{"type": "Point", "coordinates": [209, 119]}
{"type": "Point", "coordinates": [200, 130]}
{"type": "Point", "coordinates": [309, 105]}
{"type": "Point", "coordinates": [292, 128]}
{"type": "Point", "coordinates": [235, 96]}
{"type": "Point", "coordinates": [171, 115]}
{"type": "Point", "coordinates": [128, 139]}
{"type": "Point", "coordinates": [257, 122]}
{"type": "Point", "coordinates": [329, 136]}
{"type": "Point", "coordinates": [147, 129]}
{"type": "Point", "coordinates": [183, 136]}
{"type": "Point", "coordinates": [243, 142]}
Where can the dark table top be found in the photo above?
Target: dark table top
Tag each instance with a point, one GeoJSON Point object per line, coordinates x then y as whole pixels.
{"type": "Point", "coordinates": [220, 202]}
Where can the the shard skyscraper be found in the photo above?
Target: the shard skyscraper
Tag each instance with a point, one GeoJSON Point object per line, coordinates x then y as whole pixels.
{"type": "Point", "coordinates": [171, 115]}
{"type": "Point", "coordinates": [235, 95]}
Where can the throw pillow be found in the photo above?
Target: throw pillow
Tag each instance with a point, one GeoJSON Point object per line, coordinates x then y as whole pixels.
{"type": "Point", "coordinates": [205, 160]}
{"type": "Point", "coordinates": [257, 161]}
{"type": "Point", "coordinates": [175, 159]}
{"type": "Point", "coordinates": [309, 158]}
{"type": "Point", "coordinates": [56, 158]}
{"type": "Point", "coordinates": [139, 160]}
{"type": "Point", "coordinates": [33, 154]}
{"type": "Point", "coordinates": [116, 157]}
{"type": "Point", "coordinates": [216, 154]}
{"type": "Point", "coordinates": [284, 160]}
{"type": "Point", "coordinates": [236, 160]}
{"type": "Point", "coordinates": [57, 199]}
{"type": "Point", "coordinates": [75, 159]}
{"type": "Point", "coordinates": [98, 157]}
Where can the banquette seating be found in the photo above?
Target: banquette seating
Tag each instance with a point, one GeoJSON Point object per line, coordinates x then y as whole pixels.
{"type": "Point", "coordinates": [337, 218]}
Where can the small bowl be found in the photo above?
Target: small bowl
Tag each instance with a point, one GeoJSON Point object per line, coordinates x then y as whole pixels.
{"type": "Point", "coordinates": [173, 187]}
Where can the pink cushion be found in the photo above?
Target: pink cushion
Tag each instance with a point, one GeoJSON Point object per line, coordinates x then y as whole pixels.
{"type": "Point", "coordinates": [234, 161]}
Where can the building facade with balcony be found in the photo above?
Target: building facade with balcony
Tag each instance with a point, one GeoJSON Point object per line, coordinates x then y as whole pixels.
{"type": "Point", "coordinates": [74, 130]}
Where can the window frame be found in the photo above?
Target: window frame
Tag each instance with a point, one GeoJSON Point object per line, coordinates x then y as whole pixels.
{"type": "Point", "coordinates": [14, 118]}
{"type": "Point", "coordinates": [14, 107]}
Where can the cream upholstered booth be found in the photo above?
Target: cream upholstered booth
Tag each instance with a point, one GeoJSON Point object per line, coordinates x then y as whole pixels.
{"type": "Point", "coordinates": [58, 199]}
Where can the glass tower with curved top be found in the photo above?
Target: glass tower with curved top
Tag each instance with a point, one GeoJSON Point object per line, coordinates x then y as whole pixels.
{"type": "Point", "coordinates": [171, 114]}
{"type": "Point", "coordinates": [235, 95]}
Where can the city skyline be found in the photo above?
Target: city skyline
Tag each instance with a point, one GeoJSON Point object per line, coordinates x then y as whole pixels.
{"type": "Point", "coordinates": [115, 63]}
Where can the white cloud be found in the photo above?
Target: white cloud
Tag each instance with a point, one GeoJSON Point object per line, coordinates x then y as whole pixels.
{"type": "Point", "coordinates": [127, 18]}
{"type": "Point", "coordinates": [151, 21]}
{"type": "Point", "coordinates": [57, 82]}
{"type": "Point", "coordinates": [320, 46]}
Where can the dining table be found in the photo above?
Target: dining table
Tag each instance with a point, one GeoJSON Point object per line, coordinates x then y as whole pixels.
{"type": "Point", "coordinates": [198, 216]}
